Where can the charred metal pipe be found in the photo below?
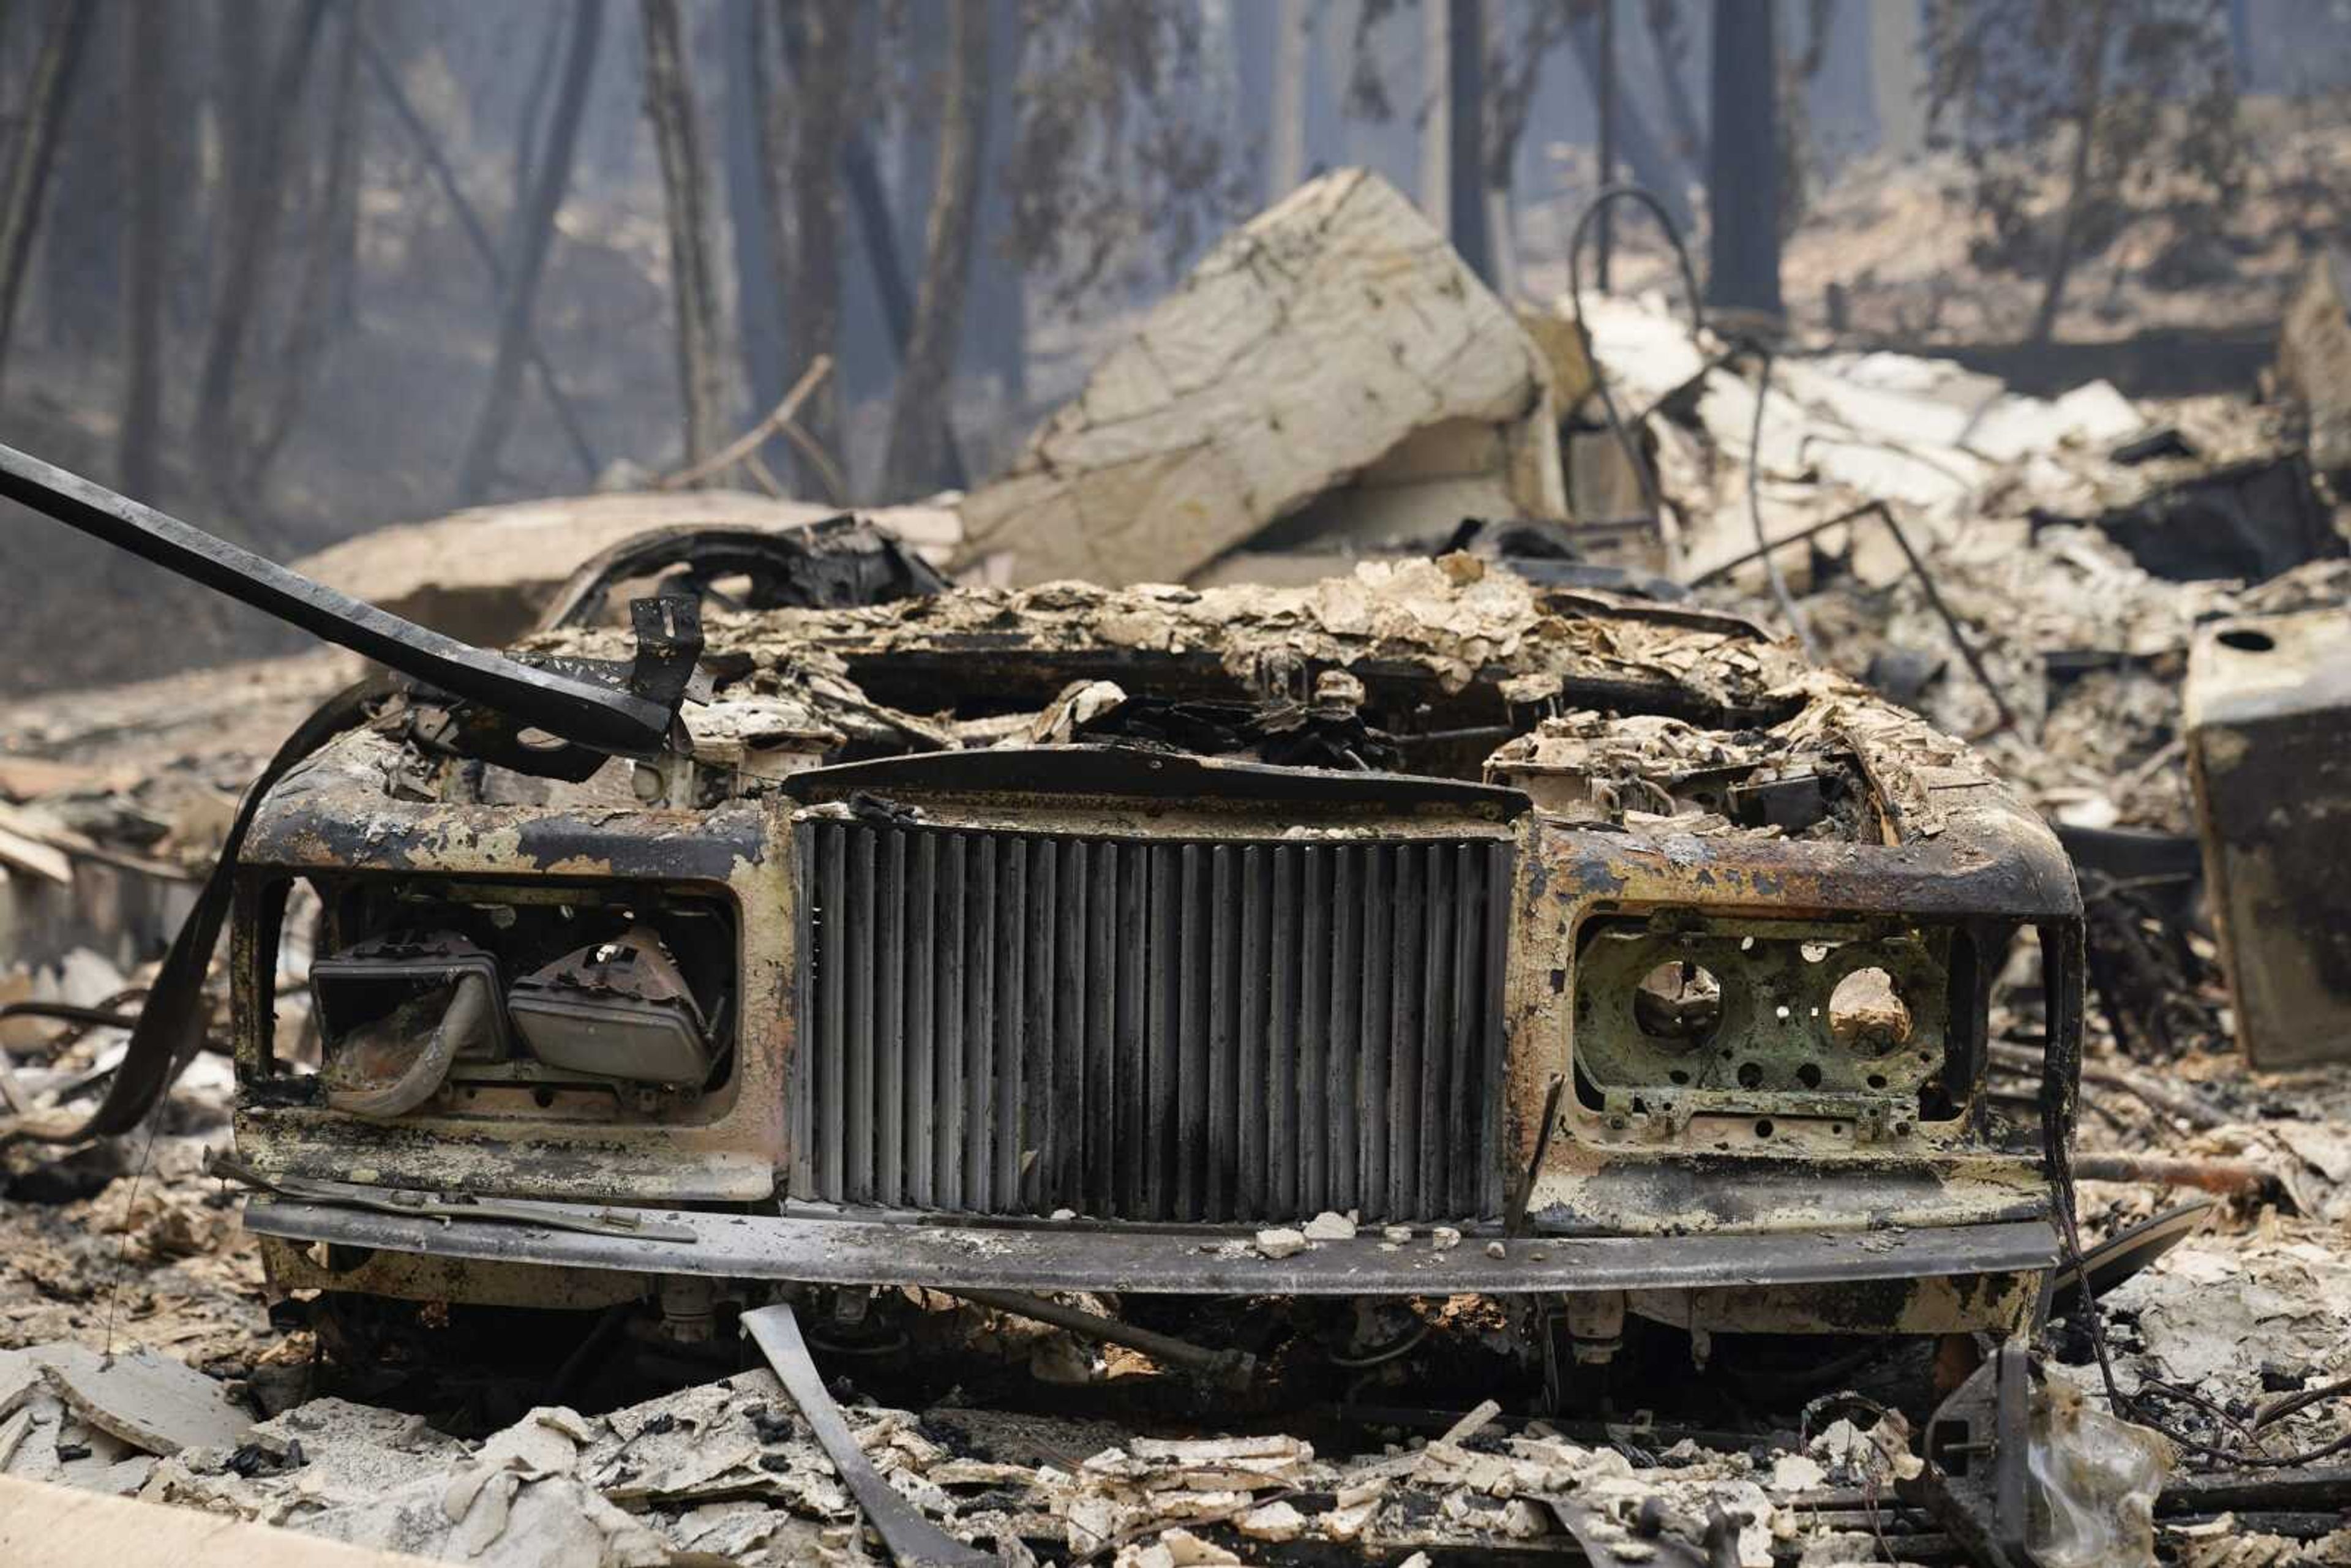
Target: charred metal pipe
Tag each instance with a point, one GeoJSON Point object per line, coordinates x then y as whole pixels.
{"type": "Point", "coordinates": [2235, 1178]}
{"type": "Point", "coordinates": [602, 717]}
{"type": "Point", "coordinates": [1226, 1366]}
{"type": "Point", "coordinates": [466, 1017]}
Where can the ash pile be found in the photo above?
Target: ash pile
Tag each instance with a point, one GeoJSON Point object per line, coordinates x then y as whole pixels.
{"type": "Point", "coordinates": [1695, 592]}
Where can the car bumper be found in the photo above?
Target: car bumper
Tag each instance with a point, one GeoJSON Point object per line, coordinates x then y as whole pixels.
{"type": "Point", "coordinates": [826, 1251]}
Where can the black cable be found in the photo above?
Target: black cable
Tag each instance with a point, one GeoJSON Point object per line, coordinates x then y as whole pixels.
{"type": "Point", "coordinates": [2135, 1406]}
{"type": "Point", "coordinates": [1771, 573]}
{"type": "Point", "coordinates": [1650, 495]}
{"type": "Point", "coordinates": [1604, 198]}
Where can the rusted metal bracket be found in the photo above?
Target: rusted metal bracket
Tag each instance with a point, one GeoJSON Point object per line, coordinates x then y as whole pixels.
{"type": "Point", "coordinates": [912, 1541]}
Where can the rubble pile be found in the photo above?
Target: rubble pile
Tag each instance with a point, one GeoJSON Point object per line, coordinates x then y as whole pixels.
{"type": "Point", "coordinates": [2053, 531]}
{"type": "Point", "coordinates": [729, 1470]}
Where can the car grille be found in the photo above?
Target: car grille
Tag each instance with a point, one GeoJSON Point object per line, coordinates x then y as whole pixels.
{"type": "Point", "coordinates": [1179, 1031]}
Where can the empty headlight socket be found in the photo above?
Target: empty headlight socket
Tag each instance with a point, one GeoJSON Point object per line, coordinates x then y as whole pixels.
{"type": "Point", "coordinates": [408, 931]}
{"type": "Point", "coordinates": [1865, 1027]}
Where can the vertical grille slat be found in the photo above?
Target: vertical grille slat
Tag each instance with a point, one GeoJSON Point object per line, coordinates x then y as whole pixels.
{"type": "Point", "coordinates": [979, 1020]}
{"type": "Point", "coordinates": [1407, 992]}
{"type": "Point", "coordinates": [922, 1019]}
{"type": "Point", "coordinates": [891, 984]}
{"type": "Point", "coordinates": [1100, 1086]}
{"type": "Point", "coordinates": [1376, 1046]}
{"type": "Point", "coordinates": [1190, 1041]}
{"type": "Point", "coordinates": [946, 1149]}
{"type": "Point", "coordinates": [1461, 1071]}
{"type": "Point", "coordinates": [858, 1048]}
{"type": "Point", "coordinates": [1313, 1035]}
{"type": "Point", "coordinates": [1496, 923]}
{"type": "Point", "coordinates": [996, 1021]}
{"type": "Point", "coordinates": [1063, 1171]}
{"type": "Point", "coordinates": [801, 1115]}
{"type": "Point", "coordinates": [1281, 1195]}
{"type": "Point", "coordinates": [1012, 1041]}
{"type": "Point", "coordinates": [1224, 1080]}
{"type": "Point", "coordinates": [1130, 1088]}
{"type": "Point", "coordinates": [1249, 1068]}
{"type": "Point", "coordinates": [1034, 1151]}
{"type": "Point", "coordinates": [1436, 1019]}
{"type": "Point", "coordinates": [1345, 1076]}
{"type": "Point", "coordinates": [832, 983]}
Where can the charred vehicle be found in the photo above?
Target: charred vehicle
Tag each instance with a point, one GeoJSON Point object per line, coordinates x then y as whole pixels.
{"type": "Point", "coordinates": [1586, 951]}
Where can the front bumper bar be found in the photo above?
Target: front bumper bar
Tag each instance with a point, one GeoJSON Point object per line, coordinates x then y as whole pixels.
{"type": "Point", "coordinates": [823, 1250]}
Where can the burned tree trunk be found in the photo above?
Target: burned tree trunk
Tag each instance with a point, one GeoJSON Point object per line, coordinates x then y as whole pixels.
{"type": "Point", "coordinates": [2089, 66]}
{"type": "Point", "coordinates": [669, 102]}
{"type": "Point", "coordinates": [477, 235]}
{"type": "Point", "coordinates": [35, 151]}
{"type": "Point", "coordinates": [1465, 98]}
{"type": "Point", "coordinates": [1742, 165]}
{"type": "Point", "coordinates": [252, 236]}
{"type": "Point", "coordinates": [1285, 157]}
{"type": "Point", "coordinates": [1667, 44]}
{"type": "Point", "coordinates": [922, 455]}
{"type": "Point", "coordinates": [995, 315]}
{"type": "Point", "coordinates": [1649, 160]}
{"type": "Point", "coordinates": [805, 142]}
{"type": "Point", "coordinates": [759, 306]}
{"type": "Point", "coordinates": [533, 232]}
{"type": "Point", "coordinates": [312, 312]}
{"type": "Point", "coordinates": [140, 435]}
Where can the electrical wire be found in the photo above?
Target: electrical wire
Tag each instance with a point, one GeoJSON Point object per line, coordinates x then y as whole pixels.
{"type": "Point", "coordinates": [1651, 497]}
{"type": "Point", "coordinates": [1771, 574]}
{"type": "Point", "coordinates": [1606, 196]}
{"type": "Point", "coordinates": [2135, 1406]}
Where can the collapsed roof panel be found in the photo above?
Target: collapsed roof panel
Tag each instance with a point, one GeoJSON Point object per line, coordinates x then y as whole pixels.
{"type": "Point", "coordinates": [1314, 344]}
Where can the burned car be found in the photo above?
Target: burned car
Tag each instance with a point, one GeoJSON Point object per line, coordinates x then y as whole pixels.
{"type": "Point", "coordinates": [1581, 950]}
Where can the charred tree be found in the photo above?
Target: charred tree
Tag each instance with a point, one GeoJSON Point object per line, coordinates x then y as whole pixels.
{"type": "Point", "coordinates": [252, 238]}
{"type": "Point", "coordinates": [477, 234]}
{"type": "Point", "coordinates": [805, 139]}
{"type": "Point", "coordinates": [2091, 47]}
{"type": "Point", "coordinates": [759, 305]}
{"type": "Point", "coordinates": [1464, 102]}
{"type": "Point", "coordinates": [77, 265]}
{"type": "Point", "coordinates": [1648, 161]}
{"type": "Point", "coordinates": [2080, 122]}
{"type": "Point", "coordinates": [1285, 163]}
{"type": "Point", "coordinates": [528, 118]}
{"type": "Point", "coordinates": [1513, 70]}
{"type": "Point", "coordinates": [669, 103]}
{"type": "Point", "coordinates": [138, 453]}
{"type": "Point", "coordinates": [35, 154]}
{"type": "Point", "coordinates": [996, 317]}
{"type": "Point", "coordinates": [886, 271]}
{"type": "Point", "coordinates": [919, 67]}
{"type": "Point", "coordinates": [1668, 44]}
{"type": "Point", "coordinates": [311, 315]}
{"type": "Point", "coordinates": [1742, 165]}
{"type": "Point", "coordinates": [533, 232]}
{"type": "Point", "coordinates": [922, 454]}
